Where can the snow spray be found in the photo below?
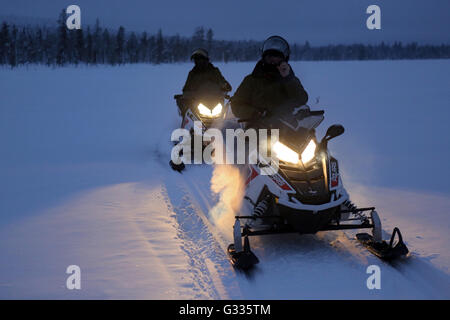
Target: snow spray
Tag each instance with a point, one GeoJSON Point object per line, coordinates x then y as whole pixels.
{"type": "Point", "coordinates": [227, 181]}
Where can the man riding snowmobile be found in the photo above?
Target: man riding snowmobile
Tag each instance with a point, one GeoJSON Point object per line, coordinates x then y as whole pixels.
{"type": "Point", "coordinates": [271, 84]}
{"type": "Point", "coordinates": [204, 79]}
{"type": "Point", "coordinates": [203, 104]}
{"type": "Point", "coordinates": [303, 193]}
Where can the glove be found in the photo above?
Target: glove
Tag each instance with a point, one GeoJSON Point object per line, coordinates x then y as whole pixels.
{"type": "Point", "coordinates": [226, 87]}
{"type": "Point", "coordinates": [262, 113]}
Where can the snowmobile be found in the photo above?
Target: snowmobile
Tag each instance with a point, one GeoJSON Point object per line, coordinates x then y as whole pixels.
{"type": "Point", "coordinates": [207, 111]}
{"type": "Point", "coordinates": [302, 193]}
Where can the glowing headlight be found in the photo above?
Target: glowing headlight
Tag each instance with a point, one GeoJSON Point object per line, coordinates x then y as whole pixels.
{"type": "Point", "coordinates": [284, 153]}
{"type": "Point", "coordinates": [309, 152]}
{"type": "Point", "coordinates": [217, 110]}
{"type": "Point", "coordinates": [206, 112]}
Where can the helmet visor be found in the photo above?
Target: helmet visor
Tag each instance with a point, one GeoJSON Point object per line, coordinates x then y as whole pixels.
{"type": "Point", "coordinates": [199, 54]}
{"type": "Point", "coordinates": [276, 44]}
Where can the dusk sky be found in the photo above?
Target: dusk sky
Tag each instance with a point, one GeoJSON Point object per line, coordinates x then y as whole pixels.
{"type": "Point", "coordinates": [318, 21]}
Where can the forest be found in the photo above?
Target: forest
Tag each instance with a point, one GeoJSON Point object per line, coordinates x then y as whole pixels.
{"type": "Point", "coordinates": [58, 46]}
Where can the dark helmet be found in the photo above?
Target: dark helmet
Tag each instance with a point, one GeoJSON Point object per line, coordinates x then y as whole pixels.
{"type": "Point", "coordinates": [200, 53]}
{"type": "Point", "coordinates": [276, 45]}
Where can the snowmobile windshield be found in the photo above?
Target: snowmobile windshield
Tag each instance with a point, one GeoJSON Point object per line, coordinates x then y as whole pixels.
{"type": "Point", "coordinates": [296, 119]}
{"type": "Point", "coordinates": [296, 125]}
{"type": "Point", "coordinates": [302, 119]}
{"type": "Point", "coordinates": [209, 96]}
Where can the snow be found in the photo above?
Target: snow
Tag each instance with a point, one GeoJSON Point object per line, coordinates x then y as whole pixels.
{"type": "Point", "coordinates": [85, 181]}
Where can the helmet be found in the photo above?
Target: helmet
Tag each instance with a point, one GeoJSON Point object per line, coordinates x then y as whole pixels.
{"type": "Point", "coordinates": [276, 45]}
{"type": "Point", "coordinates": [200, 53]}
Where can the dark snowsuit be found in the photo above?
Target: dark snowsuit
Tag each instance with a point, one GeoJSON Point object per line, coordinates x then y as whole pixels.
{"type": "Point", "coordinates": [200, 82]}
{"type": "Point", "coordinates": [266, 89]}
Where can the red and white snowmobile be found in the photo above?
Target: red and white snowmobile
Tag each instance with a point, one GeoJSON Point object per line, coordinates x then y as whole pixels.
{"type": "Point", "coordinates": [305, 195]}
{"type": "Point", "coordinates": [203, 112]}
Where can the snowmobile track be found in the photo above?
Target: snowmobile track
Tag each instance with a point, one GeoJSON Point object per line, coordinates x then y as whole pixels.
{"type": "Point", "coordinates": [209, 265]}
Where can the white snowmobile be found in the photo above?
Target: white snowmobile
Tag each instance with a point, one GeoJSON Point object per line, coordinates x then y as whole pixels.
{"type": "Point", "coordinates": [207, 111]}
{"type": "Point", "coordinates": [305, 195]}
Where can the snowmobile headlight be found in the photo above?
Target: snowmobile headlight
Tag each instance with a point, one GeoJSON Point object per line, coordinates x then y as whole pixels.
{"type": "Point", "coordinates": [217, 110]}
{"type": "Point", "coordinates": [309, 152]}
{"type": "Point", "coordinates": [285, 153]}
{"type": "Point", "coordinates": [206, 112]}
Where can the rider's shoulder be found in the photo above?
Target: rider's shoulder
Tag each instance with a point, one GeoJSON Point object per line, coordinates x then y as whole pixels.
{"type": "Point", "coordinates": [250, 78]}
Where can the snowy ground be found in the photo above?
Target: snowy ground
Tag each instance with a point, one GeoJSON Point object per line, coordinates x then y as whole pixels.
{"type": "Point", "coordinates": [85, 181]}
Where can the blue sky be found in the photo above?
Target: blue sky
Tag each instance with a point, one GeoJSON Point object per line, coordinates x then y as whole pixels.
{"type": "Point", "coordinates": [319, 21]}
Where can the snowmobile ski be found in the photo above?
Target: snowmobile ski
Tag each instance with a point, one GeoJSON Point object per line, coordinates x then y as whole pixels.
{"type": "Point", "coordinates": [177, 167]}
{"type": "Point", "coordinates": [241, 257]}
{"type": "Point", "coordinates": [383, 250]}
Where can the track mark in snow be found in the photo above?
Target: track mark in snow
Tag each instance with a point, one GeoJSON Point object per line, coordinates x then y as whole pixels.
{"type": "Point", "coordinates": [424, 279]}
{"type": "Point", "coordinates": [216, 279]}
{"type": "Point", "coordinates": [196, 241]}
{"type": "Point", "coordinates": [200, 242]}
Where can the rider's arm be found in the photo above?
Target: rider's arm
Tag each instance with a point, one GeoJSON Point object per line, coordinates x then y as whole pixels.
{"type": "Point", "coordinates": [241, 103]}
{"type": "Point", "coordinates": [295, 91]}
{"type": "Point", "coordinates": [189, 85]}
{"type": "Point", "coordinates": [225, 85]}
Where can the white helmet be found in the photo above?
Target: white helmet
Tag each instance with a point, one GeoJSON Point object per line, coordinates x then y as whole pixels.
{"type": "Point", "coordinates": [201, 53]}
{"type": "Point", "coordinates": [276, 44]}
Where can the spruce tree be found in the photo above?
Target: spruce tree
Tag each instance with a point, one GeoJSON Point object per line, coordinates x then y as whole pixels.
{"type": "Point", "coordinates": [4, 43]}
{"type": "Point", "coordinates": [120, 44]}
{"type": "Point", "coordinates": [63, 42]}
{"type": "Point", "coordinates": [159, 47]}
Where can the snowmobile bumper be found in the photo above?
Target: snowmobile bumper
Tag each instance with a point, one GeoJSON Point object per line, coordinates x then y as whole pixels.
{"type": "Point", "coordinates": [313, 208]}
{"type": "Point", "coordinates": [307, 221]}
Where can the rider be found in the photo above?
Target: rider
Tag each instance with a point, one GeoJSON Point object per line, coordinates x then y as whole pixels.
{"type": "Point", "coordinates": [204, 78]}
{"type": "Point", "coordinates": [271, 84]}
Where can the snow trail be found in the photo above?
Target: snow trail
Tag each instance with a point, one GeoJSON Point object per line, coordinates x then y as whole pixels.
{"type": "Point", "coordinates": [209, 265]}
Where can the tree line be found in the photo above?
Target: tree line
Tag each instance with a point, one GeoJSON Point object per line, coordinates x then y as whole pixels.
{"type": "Point", "coordinates": [58, 46]}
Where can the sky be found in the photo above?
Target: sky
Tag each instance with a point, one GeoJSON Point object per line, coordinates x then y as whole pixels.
{"type": "Point", "coordinates": [318, 21]}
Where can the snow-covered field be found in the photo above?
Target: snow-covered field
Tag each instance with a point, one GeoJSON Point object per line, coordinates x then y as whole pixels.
{"type": "Point", "coordinates": [85, 181]}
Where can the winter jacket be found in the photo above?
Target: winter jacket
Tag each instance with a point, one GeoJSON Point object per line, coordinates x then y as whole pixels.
{"type": "Point", "coordinates": [265, 89]}
{"type": "Point", "coordinates": [205, 80]}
